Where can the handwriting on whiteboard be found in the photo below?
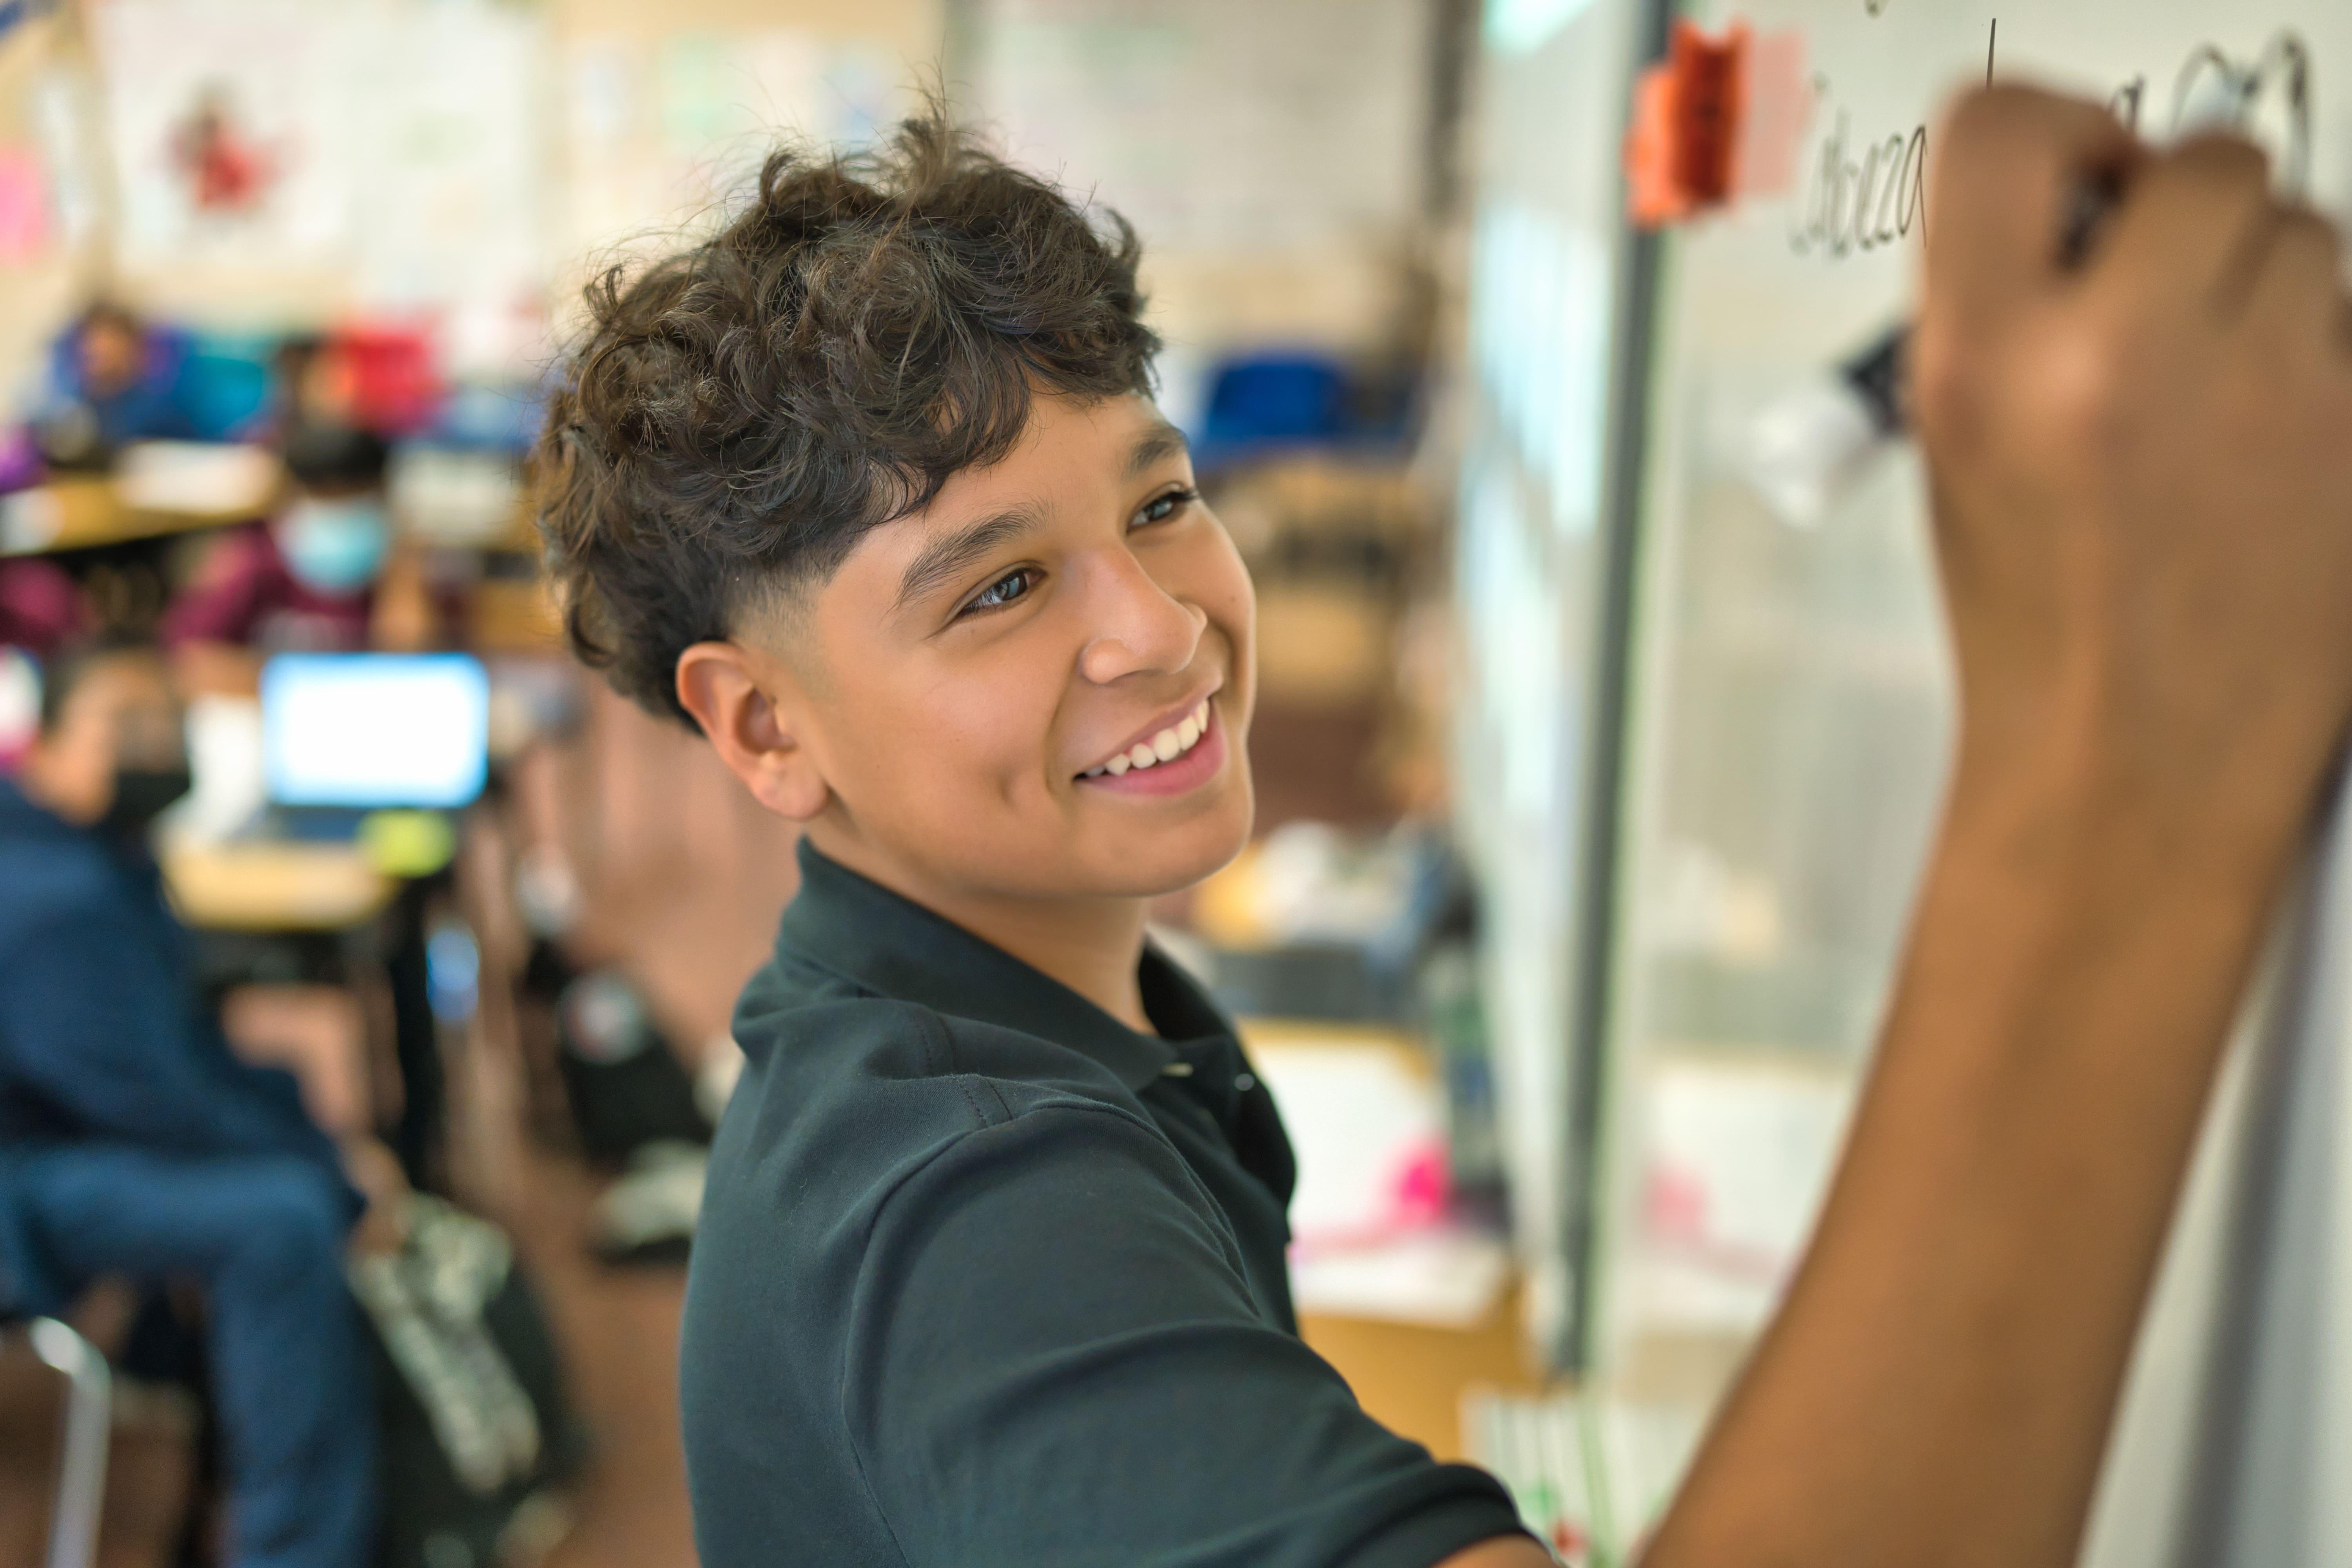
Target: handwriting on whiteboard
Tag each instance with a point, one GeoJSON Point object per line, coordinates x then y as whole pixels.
{"type": "Point", "coordinates": [1861, 199]}
{"type": "Point", "coordinates": [2268, 99]}
{"type": "Point", "coordinates": [1862, 196]}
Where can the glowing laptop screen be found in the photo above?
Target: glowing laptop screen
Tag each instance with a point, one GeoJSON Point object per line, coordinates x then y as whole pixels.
{"type": "Point", "coordinates": [374, 730]}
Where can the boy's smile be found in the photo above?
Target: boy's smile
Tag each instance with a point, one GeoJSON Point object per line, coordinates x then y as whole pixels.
{"type": "Point", "coordinates": [1036, 688]}
{"type": "Point", "coordinates": [1165, 758]}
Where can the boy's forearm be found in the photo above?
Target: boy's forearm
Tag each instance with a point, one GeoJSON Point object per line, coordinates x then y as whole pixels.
{"type": "Point", "coordinates": [1948, 1360]}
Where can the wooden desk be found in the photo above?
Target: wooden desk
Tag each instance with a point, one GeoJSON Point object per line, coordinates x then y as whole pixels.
{"type": "Point", "coordinates": [274, 887]}
{"type": "Point", "coordinates": [514, 615]}
{"type": "Point", "coordinates": [1410, 1379]}
{"type": "Point", "coordinates": [81, 511]}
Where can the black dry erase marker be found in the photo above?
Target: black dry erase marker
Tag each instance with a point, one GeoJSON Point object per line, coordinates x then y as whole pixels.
{"type": "Point", "coordinates": [1806, 446]}
{"type": "Point", "coordinates": [1875, 374]}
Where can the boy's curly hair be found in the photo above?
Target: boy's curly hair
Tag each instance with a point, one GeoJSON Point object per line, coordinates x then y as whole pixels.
{"type": "Point", "coordinates": [734, 418]}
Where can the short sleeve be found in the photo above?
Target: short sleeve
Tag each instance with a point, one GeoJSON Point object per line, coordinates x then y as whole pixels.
{"type": "Point", "coordinates": [225, 598]}
{"type": "Point", "coordinates": [1055, 1359]}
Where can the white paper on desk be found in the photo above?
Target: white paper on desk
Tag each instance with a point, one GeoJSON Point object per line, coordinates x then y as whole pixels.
{"type": "Point", "coordinates": [1439, 1278]}
{"type": "Point", "coordinates": [1364, 1127]}
{"type": "Point", "coordinates": [208, 478]}
{"type": "Point", "coordinates": [1737, 1157]}
{"type": "Point", "coordinates": [29, 521]}
{"type": "Point", "coordinates": [226, 789]}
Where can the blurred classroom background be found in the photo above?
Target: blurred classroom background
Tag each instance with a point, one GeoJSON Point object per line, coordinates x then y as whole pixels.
{"type": "Point", "coordinates": [279, 283]}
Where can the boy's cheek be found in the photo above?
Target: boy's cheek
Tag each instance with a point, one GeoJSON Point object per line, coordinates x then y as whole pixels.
{"type": "Point", "coordinates": [1223, 590]}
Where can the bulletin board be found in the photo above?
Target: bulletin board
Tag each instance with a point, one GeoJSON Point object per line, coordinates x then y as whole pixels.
{"type": "Point", "coordinates": [1789, 729]}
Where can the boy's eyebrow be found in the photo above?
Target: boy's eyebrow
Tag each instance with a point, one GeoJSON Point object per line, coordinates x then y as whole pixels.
{"type": "Point", "coordinates": [1162, 440]}
{"type": "Point", "coordinates": [944, 558]}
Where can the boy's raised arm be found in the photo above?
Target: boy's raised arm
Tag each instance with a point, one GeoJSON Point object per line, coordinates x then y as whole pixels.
{"type": "Point", "coordinates": [2142, 471]}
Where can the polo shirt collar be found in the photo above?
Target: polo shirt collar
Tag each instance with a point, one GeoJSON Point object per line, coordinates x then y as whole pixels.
{"type": "Point", "coordinates": [897, 948]}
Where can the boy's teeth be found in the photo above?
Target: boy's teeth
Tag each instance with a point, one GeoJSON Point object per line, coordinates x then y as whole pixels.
{"type": "Point", "coordinates": [1164, 747]}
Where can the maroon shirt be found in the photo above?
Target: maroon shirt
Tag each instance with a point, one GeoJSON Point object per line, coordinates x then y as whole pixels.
{"type": "Point", "coordinates": [244, 594]}
{"type": "Point", "coordinates": [40, 608]}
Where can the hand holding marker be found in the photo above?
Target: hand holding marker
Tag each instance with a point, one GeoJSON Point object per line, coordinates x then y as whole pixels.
{"type": "Point", "coordinates": [1806, 447]}
{"type": "Point", "coordinates": [1718, 119]}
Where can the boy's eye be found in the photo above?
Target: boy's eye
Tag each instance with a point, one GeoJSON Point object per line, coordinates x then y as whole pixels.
{"type": "Point", "coordinates": [1015, 584]}
{"type": "Point", "coordinates": [1160, 507]}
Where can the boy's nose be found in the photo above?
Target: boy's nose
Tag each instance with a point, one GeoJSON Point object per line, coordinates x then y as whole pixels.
{"type": "Point", "coordinates": [1138, 626]}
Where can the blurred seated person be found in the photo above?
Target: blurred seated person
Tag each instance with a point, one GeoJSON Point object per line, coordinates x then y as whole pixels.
{"type": "Point", "coordinates": [323, 576]}
{"type": "Point", "coordinates": [41, 608]}
{"type": "Point", "coordinates": [311, 383]}
{"type": "Point", "coordinates": [134, 1143]}
{"type": "Point", "coordinates": [114, 379]}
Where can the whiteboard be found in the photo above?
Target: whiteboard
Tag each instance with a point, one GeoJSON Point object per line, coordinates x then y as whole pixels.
{"type": "Point", "coordinates": [1548, 266]}
{"type": "Point", "coordinates": [1791, 729]}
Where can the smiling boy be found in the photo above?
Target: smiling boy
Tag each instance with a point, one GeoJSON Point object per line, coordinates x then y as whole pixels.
{"type": "Point", "coordinates": [869, 489]}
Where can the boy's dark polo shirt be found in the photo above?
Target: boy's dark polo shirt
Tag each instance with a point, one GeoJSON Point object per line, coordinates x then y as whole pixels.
{"type": "Point", "coordinates": [984, 1277]}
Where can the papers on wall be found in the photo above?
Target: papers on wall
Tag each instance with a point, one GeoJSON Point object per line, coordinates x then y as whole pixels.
{"type": "Point", "coordinates": [231, 127]}
{"type": "Point", "coordinates": [1217, 125]}
{"type": "Point", "coordinates": [391, 142]}
{"type": "Point", "coordinates": [452, 175]}
{"type": "Point", "coordinates": [24, 207]}
{"type": "Point", "coordinates": [62, 116]}
{"type": "Point", "coordinates": [652, 141]}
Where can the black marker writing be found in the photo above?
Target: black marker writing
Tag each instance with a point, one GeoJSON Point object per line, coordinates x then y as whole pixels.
{"type": "Point", "coordinates": [2225, 94]}
{"type": "Point", "coordinates": [2125, 103]}
{"type": "Point", "coordinates": [1860, 201]}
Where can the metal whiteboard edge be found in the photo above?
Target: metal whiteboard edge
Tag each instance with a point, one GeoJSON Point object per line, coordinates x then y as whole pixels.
{"type": "Point", "coordinates": [1592, 982]}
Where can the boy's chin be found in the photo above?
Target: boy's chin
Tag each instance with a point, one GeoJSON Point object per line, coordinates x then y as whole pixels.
{"type": "Point", "coordinates": [1156, 864]}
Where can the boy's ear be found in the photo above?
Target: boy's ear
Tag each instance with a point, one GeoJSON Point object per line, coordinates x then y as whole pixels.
{"type": "Point", "coordinates": [731, 691]}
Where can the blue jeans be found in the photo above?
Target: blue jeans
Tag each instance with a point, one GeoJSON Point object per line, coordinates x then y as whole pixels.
{"type": "Point", "coordinates": [263, 1236]}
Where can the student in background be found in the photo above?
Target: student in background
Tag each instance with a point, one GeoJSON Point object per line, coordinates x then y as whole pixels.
{"type": "Point", "coordinates": [132, 1143]}
{"type": "Point", "coordinates": [325, 575]}
{"type": "Point", "coordinates": [114, 380]}
{"type": "Point", "coordinates": [41, 608]}
{"type": "Point", "coordinates": [311, 383]}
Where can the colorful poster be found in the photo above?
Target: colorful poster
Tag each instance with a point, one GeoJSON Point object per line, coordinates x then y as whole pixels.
{"type": "Point", "coordinates": [394, 142]}
{"type": "Point", "coordinates": [230, 127]}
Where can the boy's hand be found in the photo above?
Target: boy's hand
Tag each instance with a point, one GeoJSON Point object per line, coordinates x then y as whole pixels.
{"type": "Point", "coordinates": [2143, 471]}
{"type": "Point", "coordinates": [2142, 466]}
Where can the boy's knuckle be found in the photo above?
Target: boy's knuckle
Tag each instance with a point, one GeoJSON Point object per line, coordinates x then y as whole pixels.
{"type": "Point", "coordinates": [2089, 388]}
{"type": "Point", "coordinates": [1947, 373]}
{"type": "Point", "coordinates": [2220, 166]}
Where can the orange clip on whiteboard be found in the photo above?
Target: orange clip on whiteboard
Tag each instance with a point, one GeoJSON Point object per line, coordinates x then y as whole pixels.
{"type": "Point", "coordinates": [1718, 118]}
